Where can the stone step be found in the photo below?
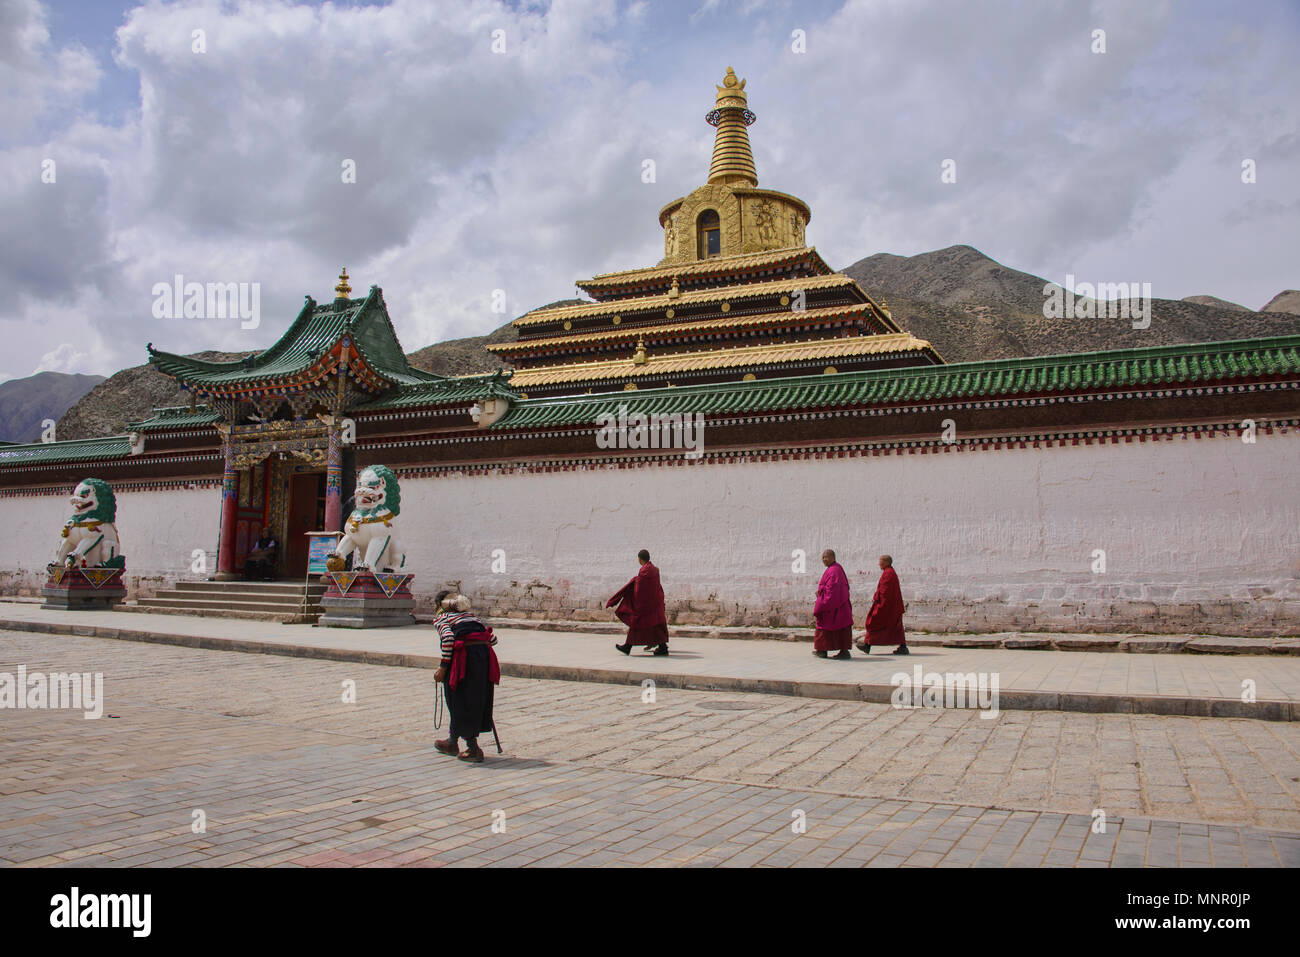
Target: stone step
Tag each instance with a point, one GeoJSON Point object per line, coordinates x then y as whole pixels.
{"type": "Point", "coordinates": [279, 616]}
{"type": "Point", "coordinates": [266, 588]}
{"type": "Point", "coordinates": [236, 597]}
{"type": "Point", "coordinates": [235, 609]}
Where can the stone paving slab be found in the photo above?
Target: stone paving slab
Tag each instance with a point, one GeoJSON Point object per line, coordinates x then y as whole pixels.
{"type": "Point", "coordinates": [1206, 770]}
{"type": "Point", "coordinates": [1087, 681]}
{"type": "Point", "coordinates": [125, 793]}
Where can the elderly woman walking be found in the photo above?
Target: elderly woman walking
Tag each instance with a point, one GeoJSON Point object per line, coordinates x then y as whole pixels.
{"type": "Point", "coordinates": [468, 670]}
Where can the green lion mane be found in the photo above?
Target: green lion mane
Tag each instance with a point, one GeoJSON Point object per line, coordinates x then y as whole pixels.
{"type": "Point", "coordinates": [392, 491]}
{"type": "Point", "coordinates": [106, 509]}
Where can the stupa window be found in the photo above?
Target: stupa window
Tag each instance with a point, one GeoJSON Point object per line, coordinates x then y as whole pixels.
{"type": "Point", "coordinates": [710, 233]}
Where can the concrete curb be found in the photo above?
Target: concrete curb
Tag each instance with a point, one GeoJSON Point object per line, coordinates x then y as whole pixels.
{"type": "Point", "coordinates": [1008, 700]}
{"type": "Point", "coordinates": [1020, 641]}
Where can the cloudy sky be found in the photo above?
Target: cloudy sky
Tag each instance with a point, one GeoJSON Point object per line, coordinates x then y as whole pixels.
{"type": "Point", "coordinates": [520, 169]}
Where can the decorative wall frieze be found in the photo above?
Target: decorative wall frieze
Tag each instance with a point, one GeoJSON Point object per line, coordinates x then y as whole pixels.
{"type": "Point", "coordinates": [1021, 440]}
{"type": "Point", "coordinates": [61, 491]}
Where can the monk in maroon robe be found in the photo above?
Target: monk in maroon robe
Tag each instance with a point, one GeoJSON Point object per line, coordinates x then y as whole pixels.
{"type": "Point", "coordinates": [641, 607]}
{"type": "Point", "coordinates": [833, 612]}
{"type": "Point", "coordinates": [885, 619]}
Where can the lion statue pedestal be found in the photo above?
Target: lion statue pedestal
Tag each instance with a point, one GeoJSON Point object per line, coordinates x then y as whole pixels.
{"type": "Point", "coordinates": [86, 574]}
{"type": "Point", "coordinates": [377, 592]}
{"type": "Point", "coordinates": [366, 599]}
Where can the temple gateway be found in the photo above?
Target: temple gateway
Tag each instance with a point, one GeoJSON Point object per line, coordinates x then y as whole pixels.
{"type": "Point", "coordinates": [1144, 489]}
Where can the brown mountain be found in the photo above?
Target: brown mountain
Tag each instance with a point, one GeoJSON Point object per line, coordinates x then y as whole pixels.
{"type": "Point", "coordinates": [127, 396]}
{"type": "Point", "coordinates": [462, 356]}
{"type": "Point", "coordinates": [1286, 301]}
{"type": "Point", "coordinates": [971, 307]}
{"type": "Point", "coordinates": [1215, 301]}
{"type": "Point", "coordinates": [28, 402]}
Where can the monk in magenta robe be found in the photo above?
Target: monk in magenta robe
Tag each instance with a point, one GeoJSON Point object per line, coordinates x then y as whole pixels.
{"type": "Point", "coordinates": [833, 612]}
{"type": "Point", "coordinates": [885, 619]}
{"type": "Point", "coordinates": [641, 607]}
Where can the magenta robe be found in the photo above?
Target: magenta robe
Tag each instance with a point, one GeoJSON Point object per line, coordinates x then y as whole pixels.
{"type": "Point", "coordinates": [885, 619]}
{"type": "Point", "coordinates": [833, 612]}
{"type": "Point", "coordinates": [641, 607]}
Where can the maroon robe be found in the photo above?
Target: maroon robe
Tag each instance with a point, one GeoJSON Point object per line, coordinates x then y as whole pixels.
{"type": "Point", "coordinates": [833, 612]}
{"type": "Point", "coordinates": [885, 619]}
{"type": "Point", "coordinates": [641, 607]}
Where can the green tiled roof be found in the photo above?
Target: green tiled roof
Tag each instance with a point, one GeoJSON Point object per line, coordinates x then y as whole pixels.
{"type": "Point", "coordinates": [316, 329]}
{"type": "Point", "coordinates": [75, 450]}
{"type": "Point", "coordinates": [441, 392]}
{"type": "Point", "coordinates": [1127, 368]}
{"type": "Point", "coordinates": [175, 417]}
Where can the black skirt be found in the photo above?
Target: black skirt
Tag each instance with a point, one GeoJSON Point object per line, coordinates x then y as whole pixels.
{"type": "Point", "coordinates": [470, 703]}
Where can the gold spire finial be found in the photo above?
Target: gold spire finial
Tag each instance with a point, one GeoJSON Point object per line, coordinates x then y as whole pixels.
{"type": "Point", "coordinates": [674, 291]}
{"type": "Point", "coordinates": [640, 357]}
{"type": "Point", "coordinates": [733, 161]}
{"type": "Point", "coordinates": [343, 290]}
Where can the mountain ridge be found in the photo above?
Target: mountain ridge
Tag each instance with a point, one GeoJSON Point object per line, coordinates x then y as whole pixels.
{"type": "Point", "coordinates": [26, 403]}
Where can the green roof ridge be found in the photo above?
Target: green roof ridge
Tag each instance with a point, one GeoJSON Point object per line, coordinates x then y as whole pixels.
{"type": "Point", "coordinates": [1123, 367]}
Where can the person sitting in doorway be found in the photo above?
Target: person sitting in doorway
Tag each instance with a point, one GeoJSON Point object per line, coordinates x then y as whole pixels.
{"type": "Point", "coordinates": [260, 563]}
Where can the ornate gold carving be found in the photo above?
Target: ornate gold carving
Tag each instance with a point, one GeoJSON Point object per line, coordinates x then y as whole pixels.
{"type": "Point", "coordinates": [731, 87]}
{"type": "Point", "coordinates": [722, 199]}
{"type": "Point", "coordinates": [765, 220]}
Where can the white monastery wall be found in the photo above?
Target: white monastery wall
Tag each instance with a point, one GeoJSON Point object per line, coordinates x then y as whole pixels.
{"type": "Point", "coordinates": [159, 531]}
{"type": "Point", "coordinates": [1199, 535]}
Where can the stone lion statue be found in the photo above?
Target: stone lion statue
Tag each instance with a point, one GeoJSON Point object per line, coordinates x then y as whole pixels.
{"type": "Point", "coordinates": [368, 533]}
{"type": "Point", "coordinates": [89, 537]}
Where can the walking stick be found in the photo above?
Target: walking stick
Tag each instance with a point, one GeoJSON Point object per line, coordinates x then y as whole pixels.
{"type": "Point", "coordinates": [496, 737]}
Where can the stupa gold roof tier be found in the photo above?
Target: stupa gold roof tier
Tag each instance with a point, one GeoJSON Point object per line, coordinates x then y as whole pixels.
{"type": "Point", "coordinates": [738, 295]}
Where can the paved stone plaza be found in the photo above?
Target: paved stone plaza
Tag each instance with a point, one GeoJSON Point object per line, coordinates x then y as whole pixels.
{"type": "Point", "coordinates": [286, 773]}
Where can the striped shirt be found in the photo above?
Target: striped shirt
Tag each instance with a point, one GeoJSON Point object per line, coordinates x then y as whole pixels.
{"type": "Point", "coordinates": [456, 624]}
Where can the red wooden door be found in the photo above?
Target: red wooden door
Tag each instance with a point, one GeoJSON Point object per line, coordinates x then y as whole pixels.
{"type": "Point", "coordinates": [305, 505]}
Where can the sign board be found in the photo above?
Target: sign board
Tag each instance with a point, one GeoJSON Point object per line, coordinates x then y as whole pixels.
{"type": "Point", "coordinates": [320, 545]}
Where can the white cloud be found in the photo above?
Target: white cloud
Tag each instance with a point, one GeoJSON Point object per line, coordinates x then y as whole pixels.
{"type": "Point", "coordinates": [478, 171]}
{"type": "Point", "coordinates": [66, 358]}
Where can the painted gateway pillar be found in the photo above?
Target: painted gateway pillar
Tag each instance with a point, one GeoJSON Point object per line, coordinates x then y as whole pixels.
{"type": "Point", "coordinates": [334, 480]}
{"type": "Point", "coordinates": [226, 569]}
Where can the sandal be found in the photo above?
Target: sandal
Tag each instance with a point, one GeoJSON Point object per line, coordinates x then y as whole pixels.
{"type": "Point", "coordinates": [474, 757]}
